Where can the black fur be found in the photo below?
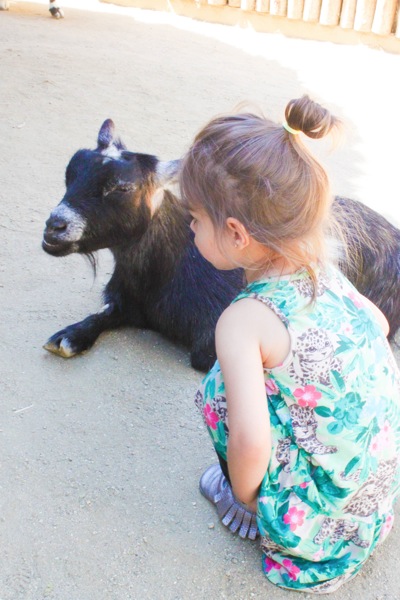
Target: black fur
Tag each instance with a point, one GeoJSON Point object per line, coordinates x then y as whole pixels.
{"type": "Point", "coordinates": [160, 280]}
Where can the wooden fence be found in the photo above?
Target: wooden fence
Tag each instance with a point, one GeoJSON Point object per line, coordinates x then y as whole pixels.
{"type": "Point", "coordinates": [370, 16]}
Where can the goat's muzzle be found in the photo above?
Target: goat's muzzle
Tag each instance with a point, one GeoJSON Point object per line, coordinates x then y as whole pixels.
{"type": "Point", "coordinates": [63, 231]}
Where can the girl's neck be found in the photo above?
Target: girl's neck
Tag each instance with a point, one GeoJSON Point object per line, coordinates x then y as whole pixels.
{"type": "Point", "coordinates": [277, 268]}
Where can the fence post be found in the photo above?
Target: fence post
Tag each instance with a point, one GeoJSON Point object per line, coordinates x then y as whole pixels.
{"type": "Point", "coordinates": [295, 9]}
{"type": "Point", "coordinates": [384, 17]}
{"type": "Point", "coordinates": [262, 6]}
{"type": "Point", "coordinates": [348, 13]}
{"type": "Point", "coordinates": [312, 9]}
{"type": "Point", "coordinates": [330, 12]}
{"type": "Point", "coordinates": [278, 8]}
{"type": "Point", "coordinates": [248, 4]}
{"type": "Point", "coordinates": [364, 15]}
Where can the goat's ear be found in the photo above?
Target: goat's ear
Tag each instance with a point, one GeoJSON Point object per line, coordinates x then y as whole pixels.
{"type": "Point", "coordinates": [167, 171]}
{"type": "Point", "coordinates": [106, 134]}
{"type": "Point", "coordinates": [107, 138]}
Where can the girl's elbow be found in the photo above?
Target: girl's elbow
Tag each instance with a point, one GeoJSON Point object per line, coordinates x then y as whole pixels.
{"type": "Point", "coordinates": [252, 449]}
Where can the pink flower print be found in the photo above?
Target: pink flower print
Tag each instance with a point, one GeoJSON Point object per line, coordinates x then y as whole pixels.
{"type": "Point", "coordinates": [270, 564]}
{"type": "Point", "coordinates": [307, 396]}
{"type": "Point", "coordinates": [375, 445]}
{"type": "Point", "coordinates": [383, 440]}
{"type": "Point", "coordinates": [355, 298]}
{"type": "Point", "coordinates": [294, 518]}
{"type": "Point", "coordinates": [211, 417]}
{"type": "Point", "coordinates": [292, 570]}
{"type": "Point", "coordinates": [389, 522]}
{"type": "Point", "coordinates": [318, 555]}
{"type": "Point", "coordinates": [304, 484]}
{"type": "Point", "coordinates": [386, 527]}
{"type": "Point", "coordinates": [347, 329]}
{"type": "Point", "coordinates": [271, 387]}
{"type": "Point", "coordinates": [387, 433]}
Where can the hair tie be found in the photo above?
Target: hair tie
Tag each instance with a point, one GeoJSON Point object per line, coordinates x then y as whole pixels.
{"type": "Point", "coordinates": [290, 129]}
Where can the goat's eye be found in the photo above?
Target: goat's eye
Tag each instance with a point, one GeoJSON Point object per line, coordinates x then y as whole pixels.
{"type": "Point", "coordinates": [125, 187]}
{"type": "Point", "coordinates": [120, 187]}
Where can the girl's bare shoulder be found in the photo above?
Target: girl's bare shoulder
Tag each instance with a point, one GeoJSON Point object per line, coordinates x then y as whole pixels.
{"type": "Point", "coordinates": [248, 322]}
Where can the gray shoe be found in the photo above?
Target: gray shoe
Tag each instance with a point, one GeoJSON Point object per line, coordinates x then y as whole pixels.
{"type": "Point", "coordinates": [233, 514]}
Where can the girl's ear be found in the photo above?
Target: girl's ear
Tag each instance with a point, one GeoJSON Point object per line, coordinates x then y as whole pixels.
{"type": "Point", "coordinates": [238, 232]}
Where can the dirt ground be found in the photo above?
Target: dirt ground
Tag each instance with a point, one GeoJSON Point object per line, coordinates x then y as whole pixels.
{"type": "Point", "coordinates": [101, 454]}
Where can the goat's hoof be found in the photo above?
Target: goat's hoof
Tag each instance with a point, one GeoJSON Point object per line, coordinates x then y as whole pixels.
{"type": "Point", "coordinates": [61, 347]}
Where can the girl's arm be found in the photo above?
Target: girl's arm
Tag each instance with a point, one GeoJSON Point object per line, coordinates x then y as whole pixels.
{"type": "Point", "coordinates": [242, 336]}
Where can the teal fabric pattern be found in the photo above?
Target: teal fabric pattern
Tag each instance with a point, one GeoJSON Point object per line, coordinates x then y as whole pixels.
{"type": "Point", "coordinates": [327, 498]}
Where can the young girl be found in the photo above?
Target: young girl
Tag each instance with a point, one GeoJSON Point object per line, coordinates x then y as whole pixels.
{"type": "Point", "coordinates": [303, 404]}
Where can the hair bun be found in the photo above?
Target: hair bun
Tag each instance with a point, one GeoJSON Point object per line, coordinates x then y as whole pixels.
{"type": "Point", "coordinates": [315, 121]}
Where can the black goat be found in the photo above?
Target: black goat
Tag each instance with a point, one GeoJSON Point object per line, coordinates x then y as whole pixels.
{"type": "Point", "coordinates": [160, 280]}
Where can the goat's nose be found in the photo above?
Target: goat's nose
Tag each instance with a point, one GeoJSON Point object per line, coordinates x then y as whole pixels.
{"type": "Point", "coordinates": [56, 224]}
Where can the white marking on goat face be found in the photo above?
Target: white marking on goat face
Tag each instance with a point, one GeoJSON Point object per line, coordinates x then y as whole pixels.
{"type": "Point", "coordinates": [111, 152]}
{"type": "Point", "coordinates": [75, 224]}
{"type": "Point", "coordinates": [156, 200]}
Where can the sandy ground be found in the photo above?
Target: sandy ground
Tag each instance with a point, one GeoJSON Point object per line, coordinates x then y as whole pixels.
{"type": "Point", "coordinates": [101, 454]}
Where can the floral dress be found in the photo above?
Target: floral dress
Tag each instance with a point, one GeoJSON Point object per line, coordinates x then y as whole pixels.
{"type": "Point", "coordinates": [327, 497]}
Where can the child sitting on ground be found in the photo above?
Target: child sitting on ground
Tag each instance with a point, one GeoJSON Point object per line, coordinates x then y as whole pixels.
{"type": "Point", "coordinates": [303, 403]}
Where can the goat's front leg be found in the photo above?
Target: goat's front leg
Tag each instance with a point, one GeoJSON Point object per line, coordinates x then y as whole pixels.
{"type": "Point", "coordinates": [81, 336]}
{"type": "Point", "coordinates": [202, 354]}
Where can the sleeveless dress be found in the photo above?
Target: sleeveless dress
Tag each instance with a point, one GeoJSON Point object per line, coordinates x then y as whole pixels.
{"type": "Point", "coordinates": [327, 497]}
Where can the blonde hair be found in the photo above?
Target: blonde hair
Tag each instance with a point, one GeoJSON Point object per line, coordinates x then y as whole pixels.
{"type": "Point", "coordinates": [248, 167]}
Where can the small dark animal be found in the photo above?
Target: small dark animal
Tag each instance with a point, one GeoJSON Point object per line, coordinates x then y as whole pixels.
{"type": "Point", "coordinates": [116, 199]}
